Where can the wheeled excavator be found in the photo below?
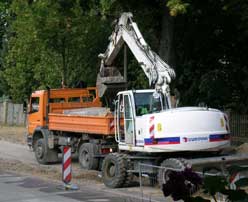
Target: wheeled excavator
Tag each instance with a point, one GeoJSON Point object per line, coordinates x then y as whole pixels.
{"type": "Point", "coordinates": [147, 128]}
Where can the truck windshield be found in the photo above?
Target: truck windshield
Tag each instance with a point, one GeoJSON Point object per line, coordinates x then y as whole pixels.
{"type": "Point", "coordinates": [145, 103]}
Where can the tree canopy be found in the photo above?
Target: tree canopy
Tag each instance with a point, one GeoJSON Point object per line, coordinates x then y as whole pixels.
{"type": "Point", "coordinates": [45, 43]}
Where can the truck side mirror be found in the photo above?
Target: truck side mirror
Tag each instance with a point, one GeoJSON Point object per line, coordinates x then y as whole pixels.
{"type": "Point", "coordinates": [25, 107]}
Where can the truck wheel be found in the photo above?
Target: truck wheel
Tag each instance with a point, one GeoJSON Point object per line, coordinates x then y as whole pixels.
{"type": "Point", "coordinates": [44, 155]}
{"type": "Point", "coordinates": [86, 158]}
{"type": "Point", "coordinates": [40, 151]}
{"type": "Point", "coordinates": [163, 173]}
{"type": "Point", "coordinates": [114, 170]}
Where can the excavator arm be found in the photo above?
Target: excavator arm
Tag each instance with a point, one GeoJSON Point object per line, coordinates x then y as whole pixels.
{"type": "Point", "coordinates": [127, 32]}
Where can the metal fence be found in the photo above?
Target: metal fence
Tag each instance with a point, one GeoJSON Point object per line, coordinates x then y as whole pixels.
{"type": "Point", "coordinates": [239, 126]}
{"type": "Point", "coordinates": [148, 182]}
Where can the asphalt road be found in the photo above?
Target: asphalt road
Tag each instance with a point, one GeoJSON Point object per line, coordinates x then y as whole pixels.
{"type": "Point", "coordinates": [15, 188]}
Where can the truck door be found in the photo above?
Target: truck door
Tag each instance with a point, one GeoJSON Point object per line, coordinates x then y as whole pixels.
{"type": "Point", "coordinates": [34, 114]}
{"type": "Point", "coordinates": [128, 120]}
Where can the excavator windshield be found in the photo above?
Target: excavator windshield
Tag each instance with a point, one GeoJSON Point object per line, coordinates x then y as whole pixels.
{"type": "Point", "coordinates": [146, 103]}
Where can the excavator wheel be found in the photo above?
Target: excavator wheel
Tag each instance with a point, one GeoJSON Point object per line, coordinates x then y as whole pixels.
{"type": "Point", "coordinates": [114, 170]}
{"type": "Point", "coordinates": [129, 176]}
{"type": "Point", "coordinates": [163, 173]}
{"type": "Point", "coordinates": [192, 180]}
{"type": "Point", "coordinates": [86, 158]}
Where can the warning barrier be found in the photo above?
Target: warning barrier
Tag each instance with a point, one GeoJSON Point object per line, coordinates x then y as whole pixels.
{"type": "Point", "coordinates": [66, 164]}
{"type": "Point", "coordinates": [67, 169]}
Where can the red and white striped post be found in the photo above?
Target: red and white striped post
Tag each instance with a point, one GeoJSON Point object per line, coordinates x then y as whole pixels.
{"type": "Point", "coordinates": [66, 167]}
{"type": "Point", "coordinates": [234, 178]}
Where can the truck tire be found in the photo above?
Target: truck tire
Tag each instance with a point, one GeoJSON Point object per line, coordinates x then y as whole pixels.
{"type": "Point", "coordinates": [86, 158]}
{"type": "Point", "coordinates": [44, 155]}
{"type": "Point", "coordinates": [114, 170]}
{"type": "Point", "coordinates": [40, 151]}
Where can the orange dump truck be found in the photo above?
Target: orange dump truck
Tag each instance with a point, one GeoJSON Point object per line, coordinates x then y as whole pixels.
{"type": "Point", "coordinates": [59, 116]}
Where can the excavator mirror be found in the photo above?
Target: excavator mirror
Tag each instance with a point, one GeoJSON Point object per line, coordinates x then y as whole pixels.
{"type": "Point", "coordinates": [113, 105]}
{"type": "Point", "coordinates": [156, 95]}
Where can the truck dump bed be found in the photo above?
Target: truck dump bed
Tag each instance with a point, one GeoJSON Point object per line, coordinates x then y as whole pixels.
{"type": "Point", "coordinates": [102, 125]}
{"type": "Point", "coordinates": [93, 120]}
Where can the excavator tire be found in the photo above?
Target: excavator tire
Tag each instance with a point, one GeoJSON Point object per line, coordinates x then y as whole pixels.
{"type": "Point", "coordinates": [86, 158]}
{"type": "Point", "coordinates": [180, 164]}
{"type": "Point", "coordinates": [129, 176]}
{"type": "Point", "coordinates": [163, 174]}
{"type": "Point", "coordinates": [44, 155]}
{"type": "Point", "coordinates": [114, 170]}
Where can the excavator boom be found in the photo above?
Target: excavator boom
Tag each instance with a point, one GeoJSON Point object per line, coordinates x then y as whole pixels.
{"type": "Point", "coordinates": [158, 72]}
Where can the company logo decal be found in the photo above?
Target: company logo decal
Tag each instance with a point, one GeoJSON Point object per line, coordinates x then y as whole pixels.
{"type": "Point", "coordinates": [194, 139]}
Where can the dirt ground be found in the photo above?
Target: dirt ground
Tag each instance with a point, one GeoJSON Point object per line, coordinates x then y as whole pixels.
{"type": "Point", "coordinates": [17, 135]}
{"type": "Point", "coordinates": [243, 148]}
{"type": "Point", "coordinates": [13, 134]}
{"type": "Point", "coordinates": [51, 172]}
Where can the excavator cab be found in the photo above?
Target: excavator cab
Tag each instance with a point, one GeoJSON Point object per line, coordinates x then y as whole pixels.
{"type": "Point", "coordinates": [130, 107]}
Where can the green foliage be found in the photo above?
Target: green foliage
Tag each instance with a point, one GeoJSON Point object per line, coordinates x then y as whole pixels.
{"type": "Point", "coordinates": [236, 169]}
{"type": "Point", "coordinates": [198, 199]}
{"type": "Point", "coordinates": [215, 181]}
{"type": "Point", "coordinates": [211, 65]}
{"type": "Point", "coordinates": [4, 12]}
{"type": "Point", "coordinates": [45, 42]}
{"type": "Point", "coordinates": [177, 7]}
{"type": "Point", "coordinates": [214, 184]}
{"type": "Point", "coordinates": [242, 182]}
{"type": "Point", "coordinates": [51, 42]}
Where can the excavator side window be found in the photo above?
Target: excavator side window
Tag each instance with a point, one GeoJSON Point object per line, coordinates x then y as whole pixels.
{"type": "Point", "coordinates": [128, 120]}
{"type": "Point", "coordinates": [121, 117]}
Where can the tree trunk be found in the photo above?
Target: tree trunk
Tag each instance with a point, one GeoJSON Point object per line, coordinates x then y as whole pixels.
{"type": "Point", "coordinates": [64, 68]}
{"type": "Point", "coordinates": [166, 46]}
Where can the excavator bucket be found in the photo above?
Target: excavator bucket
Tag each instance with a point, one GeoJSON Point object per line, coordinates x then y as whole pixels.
{"type": "Point", "coordinates": [109, 82]}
